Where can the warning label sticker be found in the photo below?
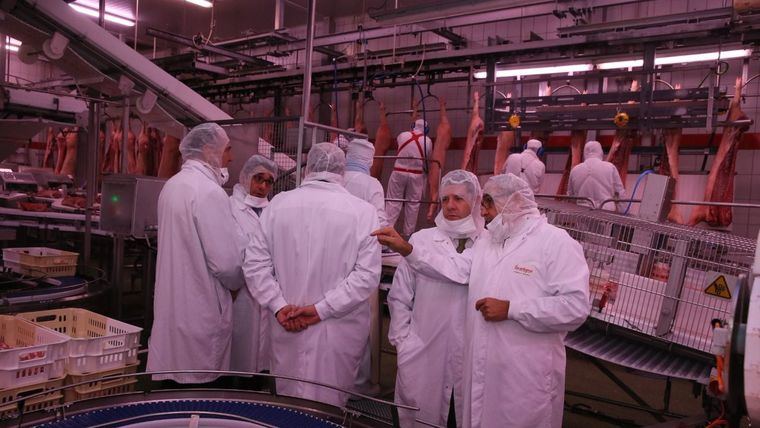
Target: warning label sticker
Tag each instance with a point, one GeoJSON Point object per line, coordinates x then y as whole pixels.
{"type": "Point", "coordinates": [719, 288]}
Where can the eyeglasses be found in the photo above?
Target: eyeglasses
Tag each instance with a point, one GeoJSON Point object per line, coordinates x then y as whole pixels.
{"type": "Point", "coordinates": [261, 179]}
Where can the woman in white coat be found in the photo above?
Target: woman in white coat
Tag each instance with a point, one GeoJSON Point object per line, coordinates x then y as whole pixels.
{"type": "Point", "coordinates": [315, 252]}
{"type": "Point", "coordinates": [428, 314]}
{"type": "Point", "coordinates": [197, 268]}
{"type": "Point", "coordinates": [528, 287]}
{"type": "Point", "coordinates": [250, 332]}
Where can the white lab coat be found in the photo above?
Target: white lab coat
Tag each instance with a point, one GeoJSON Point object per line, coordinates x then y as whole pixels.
{"type": "Point", "coordinates": [427, 329]}
{"type": "Point", "coordinates": [514, 370]}
{"type": "Point", "coordinates": [315, 248]}
{"type": "Point", "coordinates": [250, 323]}
{"type": "Point", "coordinates": [527, 166]}
{"type": "Point", "coordinates": [196, 269]}
{"type": "Point", "coordinates": [407, 180]}
{"type": "Point", "coordinates": [367, 188]}
{"type": "Point", "coordinates": [597, 180]}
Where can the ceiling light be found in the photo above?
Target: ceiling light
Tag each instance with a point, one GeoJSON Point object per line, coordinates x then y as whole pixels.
{"type": "Point", "coordinates": [537, 70]}
{"type": "Point", "coordinates": [108, 16]}
{"type": "Point", "coordinates": [12, 48]}
{"type": "Point", "coordinates": [201, 3]}
{"type": "Point", "coordinates": [679, 59]}
{"type": "Point", "coordinates": [12, 42]}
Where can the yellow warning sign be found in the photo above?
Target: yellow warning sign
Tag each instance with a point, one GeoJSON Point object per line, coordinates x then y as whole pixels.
{"type": "Point", "coordinates": [719, 288]}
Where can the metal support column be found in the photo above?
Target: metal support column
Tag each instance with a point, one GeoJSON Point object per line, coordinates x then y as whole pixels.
{"type": "Point", "coordinates": [490, 93]}
{"type": "Point", "coordinates": [647, 86]}
{"type": "Point", "coordinates": [279, 14]}
{"type": "Point", "coordinates": [117, 264]}
{"type": "Point", "coordinates": [306, 97]}
{"type": "Point", "coordinates": [91, 165]}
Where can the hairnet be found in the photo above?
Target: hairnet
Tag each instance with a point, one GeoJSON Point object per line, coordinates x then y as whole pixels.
{"type": "Point", "coordinates": [502, 187]}
{"type": "Point", "coordinates": [420, 125]}
{"type": "Point", "coordinates": [472, 194]}
{"type": "Point", "coordinates": [324, 160]}
{"type": "Point", "coordinates": [593, 150]}
{"type": "Point", "coordinates": [206, 143]}
{"type": "Point", "coordinates": [360, 151]}
{"type": "Point", "coordinates": [534, 145]}
{"type": "Point", "coordinates": [256, 164]}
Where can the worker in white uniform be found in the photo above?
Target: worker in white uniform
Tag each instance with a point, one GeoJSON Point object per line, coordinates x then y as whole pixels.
{"type": "Point", "coordinates": [527, 165]}
{"type": "Point", "coordinates": [407, 180]}
{"type": "Point", "coordinates": [197, 269]}
{"type": "Point", "coordinates": [250, 327]}
{"type": "Point", "coordinates": [357, 180]}
{"type": "Point", "coordinates": [596, 179]}
{"type": "Point", "coordinates": [428, 314]}
{"type": "Point", "coordinates": [359, 156]}
{"type": "Point", "coordinates": [528, 287]}
{"type": "Point", "coordinates": [315, 265]}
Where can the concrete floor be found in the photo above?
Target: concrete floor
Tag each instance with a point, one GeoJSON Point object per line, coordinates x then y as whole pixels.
{"type": "Point", "coordinates": [584, 377]}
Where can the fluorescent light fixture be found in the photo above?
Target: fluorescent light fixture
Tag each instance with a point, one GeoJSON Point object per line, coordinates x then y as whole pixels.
{"type": "Point", "coordinates": [678, 59]}
{"type": "Point", "coordinates": [201, 3]}
{"type": "Point", "coordinates": [12, 48]}
{"type": "Point", "coordinates": [537, 70]}
{"type": "Point", "coordinates": [108, 16]}
{"type": "Point", "coordinates": [12, 42]}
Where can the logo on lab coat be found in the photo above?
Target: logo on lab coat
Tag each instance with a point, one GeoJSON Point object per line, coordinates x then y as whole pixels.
{"type": "Point", "coordinates": [524, 269]}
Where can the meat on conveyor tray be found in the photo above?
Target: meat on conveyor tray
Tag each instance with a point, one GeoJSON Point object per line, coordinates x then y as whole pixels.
{"type": "Point", "coordinates": [33, 206]}
{"type": "Point", "coordinates": [440, 148]}
{"type": "Point", "coordinates": [669, 167]}
{"type": "Point", "coordinates": [577, 141]}
{"type": "Point", "coordinates": [49, 193]}
{"type": "Point", "coordinates": [383, 142]}
{"type": "Point", "coordinates": [720, 181]}
{"type": "Point", "coordinates": [474, 137]}
{"type": "Point", "coordinates": [171, 159]}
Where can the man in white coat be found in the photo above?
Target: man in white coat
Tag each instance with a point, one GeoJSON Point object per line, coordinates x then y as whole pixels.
{"type": "Point", "coordinates": [527, 165]}
{"type": "Point", "coordinates": [250, 327]}
{"type": "Point", "coordinates": [596, 179]}
{"type": "Point", "coordinates": [197, 268]}
{"type": "Point", "coordinates": [359, 182]}
{"type": "Point", "coordinates": [528, 287]}
{"type": "Point", "coordinates": [407, 180]}
{"type": "Point", "coordinates": [428, 314]}
{"type": "Point", "coordinates": [315, 264]}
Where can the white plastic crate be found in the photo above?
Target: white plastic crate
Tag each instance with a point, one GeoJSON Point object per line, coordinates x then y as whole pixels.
{"type": "Point", "coordinates": [99, 385]}
{"type": "Point", "coordinates": [39, 261]}
{"type": "Point", "coordinates": [36, 353]}
{"type": "Point", "coordinates": [44, 401]}
{"type": "Point", "coordinates": [97, 342]}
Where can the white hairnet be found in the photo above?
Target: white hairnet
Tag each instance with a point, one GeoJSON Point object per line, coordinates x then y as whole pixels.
{"type": "Point", "coordinates": [325, 159]}
{"type": "Point", "coordinates": [206, 143]}
{"type": "Point", "coordinates": [472, 194]}
{"type": "Point", "coordinates": [593, 150]}
{"type": "Point", "coordinates": [502, 187]}
{"type": "Point", "coordinates": [534, 145]}
{"type": "Point", "coordinates": [360, 151]}
{"type": "Point", "coordinates": [256, 164]}
{"type": "Point", "coordinates": [419, 125]}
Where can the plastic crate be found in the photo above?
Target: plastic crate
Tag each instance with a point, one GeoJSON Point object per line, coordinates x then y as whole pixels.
{"type": "Point", "coordinates": [37, 354]}
{"type": "Point", "coordinates": [98, 384]}
{"type": "Point", "coordinates": [53, 398]}
{"type": "Point", "coordinates": [98, 343]}
{"type": "Point", "coordinates": [40, 261]}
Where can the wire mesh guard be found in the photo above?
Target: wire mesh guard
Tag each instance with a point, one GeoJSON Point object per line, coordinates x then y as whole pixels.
{"type": "Point", "coordinates": [658, 279]}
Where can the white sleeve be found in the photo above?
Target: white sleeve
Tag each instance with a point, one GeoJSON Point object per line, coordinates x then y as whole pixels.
{"type": "Point", "coordinates": [259, 269]}
{"type": "Point", "coordinates": [618, 188]}
{"type": "Point", "coordinates": [359, 284]}
{"type": "Point", "coordinates": [400, 301]}
{"type": "Point", "coordinates": [566, 304]}
{"type": "Point", "coordinates": [216, 229]}
{"type": "Point", "coordinates": [452, 267]}
{"type": "Point", "coordinates": [377, 199]}
{"type": "Point", "coordinates": [571, 185]}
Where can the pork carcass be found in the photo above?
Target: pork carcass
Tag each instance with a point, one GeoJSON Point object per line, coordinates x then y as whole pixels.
{"type": "Point", "coordinates": [131, 152]}
{"type": "Point", "coordinates": [144, 161]}
{"type": "Point", "coordinates": [669, 167]}
{"type": "Point", "coordinates": [171, 159]}
{"type": "Point", "coordinates": [155, 147]}
{"type": "Point", "coordinates": [620, 151]}
{"type": "Point", "coordinates": [474, 137]}
{"type": "Point", "coordinates": [60, 146]}
{"type": "Point", "coordinates": [504, 141]}
{"type": "Point", "coordinates": [383, 142]}
{"type": "Point", "coordinates": [49, 140]}
{"type": "Point", "coordinates": [440, 148]}
{"type": "Point", "coordinates": [577, 141]}
{"type": "Point", "coordinates": [69, 165]}
{"type": "Point", "coordinates": [720, 181]}
{"type": "Point", "coordinates": [359, 124]}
